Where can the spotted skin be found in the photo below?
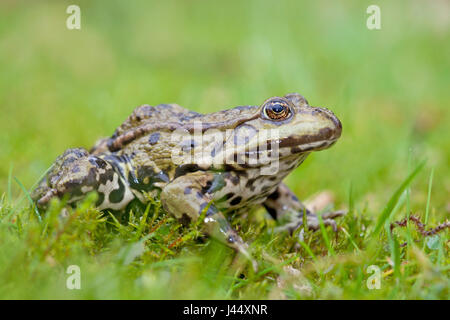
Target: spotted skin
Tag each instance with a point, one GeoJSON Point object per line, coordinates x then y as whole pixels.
{"type": "Point", "coordinates": [137, 162]}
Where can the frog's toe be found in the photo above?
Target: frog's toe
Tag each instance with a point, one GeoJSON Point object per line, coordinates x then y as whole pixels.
{"type": "Point", "coordinates": [327, 218]}
{"type": "Point", "coordinates": [312, 221]}
{"type": "Point", "coordinates": [45, 199]}
{"type": "Point", "coordinates": [333, 214]}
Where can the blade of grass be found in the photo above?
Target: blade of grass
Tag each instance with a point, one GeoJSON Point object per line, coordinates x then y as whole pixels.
{"type": "Point", "coordinates": [394, 199]}
{"type": "Point", "coordinates": [325, 235]}
{"type": "Point", "coordinates": [308, 250]}
{"type": "Point", "coordinates": [395, 251]}
{"type": "Point", "coordinates": [408, 203]}
{"type": "Point", "coordinates": [16, 206]}
{"type": "Point", "coordinates": [27, 194]}
{"type": "Point", "coordinates": [350, 238]}
{"type": "Point", "coordinates": [10, 184]}
{"type": "Point", "coordinates": [351, 201]}
{"type": "Point", "coordinates": [430, 184]}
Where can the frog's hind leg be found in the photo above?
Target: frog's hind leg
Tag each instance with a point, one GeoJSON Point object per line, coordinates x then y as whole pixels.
{"type": "Point", "coordinates": [285, 207]}
{"type": "Point", "coordinates": [187, 197]}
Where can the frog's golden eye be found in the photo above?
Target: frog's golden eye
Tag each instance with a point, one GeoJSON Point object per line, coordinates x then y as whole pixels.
{"type": "Point", "coordinates": [276, 109]}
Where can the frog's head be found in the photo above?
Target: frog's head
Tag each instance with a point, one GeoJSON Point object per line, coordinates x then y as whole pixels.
{"type": "Point", "coordinates": [301, 127]}
{"type": "Point", "coordinates": [73, 174]}
{"type": "Point", "coordinates": [292, 124]}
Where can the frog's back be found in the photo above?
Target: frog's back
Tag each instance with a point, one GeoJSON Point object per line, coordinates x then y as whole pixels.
{"type": "Point", "coordinates": [164, 116]}
{"type": "Point", "coordinates": [152, 117]}
{"type": "Point", "coordinates": [162, 113]}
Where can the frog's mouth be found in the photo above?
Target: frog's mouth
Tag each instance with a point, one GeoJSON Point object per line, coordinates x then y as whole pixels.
{"type": "Point", "coordinates": [324, 139]}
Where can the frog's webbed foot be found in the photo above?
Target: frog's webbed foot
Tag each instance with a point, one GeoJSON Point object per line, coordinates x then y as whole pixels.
{"type": "Point", "coordinates": [284, 206]}
{"type": "Point", "coordinates": [312, 221]}
{"type": "Point", "coordinates": [188, 199]}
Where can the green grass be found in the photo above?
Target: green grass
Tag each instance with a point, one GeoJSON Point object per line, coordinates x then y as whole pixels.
{"type": "Point", "coordinates": [61, 89]}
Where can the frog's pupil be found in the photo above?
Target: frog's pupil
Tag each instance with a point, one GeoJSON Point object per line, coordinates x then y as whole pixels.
{"type": "Point", "coordinates": [277, 108]}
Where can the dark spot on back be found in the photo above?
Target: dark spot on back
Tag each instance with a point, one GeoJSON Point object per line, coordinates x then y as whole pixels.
{"type": "Point", "coordinates": [154, 137]}
{"type": "Point", "coordinates": [187, 190]}
{"type": "Point", "coordinates": [250, 185]}
{"type": "Point", "coordinates": [235, 180]}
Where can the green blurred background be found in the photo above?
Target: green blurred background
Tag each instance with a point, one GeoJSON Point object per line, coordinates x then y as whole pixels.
{"type": "Point", "coordinates": [63, 88]}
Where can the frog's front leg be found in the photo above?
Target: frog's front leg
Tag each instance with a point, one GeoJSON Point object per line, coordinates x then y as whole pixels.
{"type": "Point", "coordinates": [188, 196]}
{"type": "Point", "coordinates": [75, 173]}
{"type": "Point", "coordinates": [285, 207]}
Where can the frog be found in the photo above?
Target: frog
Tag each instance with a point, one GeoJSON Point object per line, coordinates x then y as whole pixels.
{"type": "Point", "coordinates": [202, 166]}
